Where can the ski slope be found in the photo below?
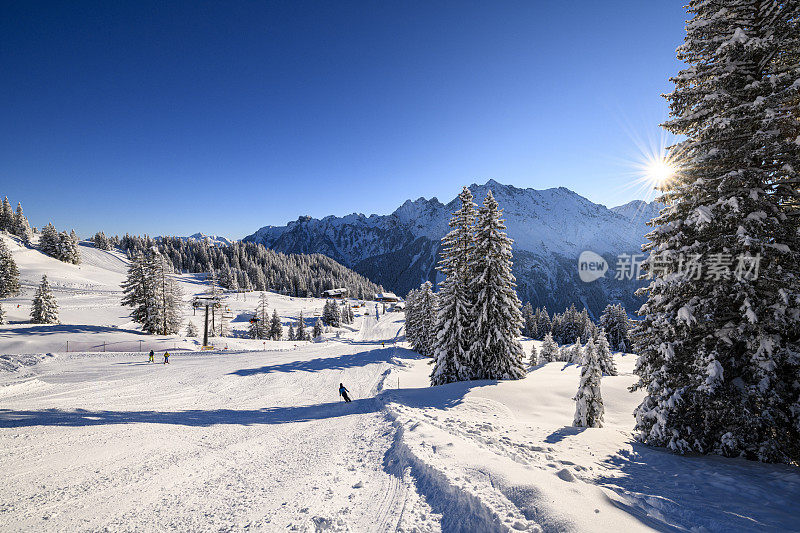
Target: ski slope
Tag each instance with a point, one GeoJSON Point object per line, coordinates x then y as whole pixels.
{"type": "Point", "coordinates": [255, 437]}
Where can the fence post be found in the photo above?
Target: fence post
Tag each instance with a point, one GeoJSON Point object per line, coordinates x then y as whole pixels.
{"type": "Point", "coordinates": [67, 346]}
{"type": "Point", "coordinates": [104, 346]}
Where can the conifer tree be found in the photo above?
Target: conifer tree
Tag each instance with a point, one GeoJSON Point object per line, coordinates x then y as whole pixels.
{"type": "Point", "coordinates": [549, 351]}
{"type": "Point", "coordinates": [275, 326]}
{"type": "Point", "coordinates": [44, 309]}
{"type": "Point", "coordinates": [529, 328]}
{"type": "Point", "coordinates": [48, 241]}
{"type": "Point", "coordinates": [318, 329]}
{"type": "Point", "coordinates": [290, 334]}
{"type": "Point", "coordinates": [2, 314]}
{"type": "Point", "coordinates": [589, 408]}
{"type": "Point", "coordinates": [259, 329]}
{"type": "Point", "coordinates": [718, 352]}
{"type": "Point", "coordinates": [455, 310]}
{"type": "Point", "coordinates": [576, 352]}
{"type": "Point", "coordinates": [496, 352]}
{"type": "Point", "coordinates": [9, 273]}
{"type": "Point", "coordinates": [604, 355]}
{"type": "Point", "coordinates": [22, 227]}
{"type": "Point", "coordinates": [615, 322]}
{"type": "Point", "coordinates": [534, 357]}
{"type": "Point", "coordinates": [302, 334]}
{"type": "Point", "coordinates": [6, 216]}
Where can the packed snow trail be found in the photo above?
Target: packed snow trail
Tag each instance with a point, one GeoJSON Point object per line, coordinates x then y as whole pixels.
{"type": "Point", "coordinates": [210, 441]}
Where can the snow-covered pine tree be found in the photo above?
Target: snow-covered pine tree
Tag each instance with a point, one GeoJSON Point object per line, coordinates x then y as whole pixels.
{"type": "Point", "coordinates": [529, 328]}
{"type": "Point", "coordinates": [589, 408]}
{"type": "Point", "coordinates": [275, 326]}
{"type": "Point", "coordinates": [48, 241]}
{"type": "Point", "coordinates": [412, 319]}
{"type": "Point", "coordinates": [290, 334]}
{"type": "Point", "coordinates": [138, 293]}
{"type": "Point", "coordinates": [616, 323]}
{"type": "Point", "coordinates": [22, 227]}
{"type": "Point", "coordinates": [604, 355]}
{"type": "Point", "coordinates": [455, 309]}
{"type": "Point", "coordinates": [301, 334]}
{"type": "Point", "coordinates": [260, 328]}
{"type": "Point", "coordinates": [44, 309]}
{"type": "Point", "coordinates": [318, 329]}
{"type": "Point", "coordinates": [534, 357]}
{"type": "Point", "coordinates": [576, 352]}
{"type": "Point", "coordinates": [496, 352]}
{"type": "Point", "coordinates": [549, 351]}
{"type": "Point", "coordinates": [330, 314]}
{"type": "Point", "coordinates": [191, 329]}
{"type": "Point", "coordinates": [543, 323]}
{"type": "Point", "coordinates": [718, 352]}
{"type": "Point", "coordinates": [425, 313]}
{"type": "Point", "coordinates": [2, 314]}
{"type": "Point", "coordinates": [9, 273]}
{"type": "Point", "coordinates": [350, 314]}
{"type": "Point", "coordinates": [167, 295]}
{"type": "Point", "coordinates": [6, 216]}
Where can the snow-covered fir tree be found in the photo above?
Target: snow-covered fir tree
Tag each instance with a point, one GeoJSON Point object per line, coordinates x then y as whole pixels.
{"type": "Point", "coordinates": [290, 334]}
{"type": "Point", "coordinates": [6, 216]}
{"type": "Point", "coordinates": [534, 357]}
{"type": "Point", "coordinates": [331, 315]}
{"type": "Point", "coordinates": [101, 242]}
{"type": "Point", "coordinates": [455, 309]}
{"type": "Point", "coordinates": [589, 408]}
{"type": "Point", "coordinates": [2, 314]}
{"type": "Point", "coordinates": [576, 352]}
{"type": "Point", "coordinates": [301, 334]}
{"type": "Point", "coordinates": [191, 329]}
{"type": "Point", "coordinates": [718, 352]}
{"type": "Point", "coordinates": [604, 356]}
{"type": "Point", "coordinates": [420, 319]}
{"type": "Point", "coordinates": [9, 273]}
{"type": "Point", "coordinates": [616, 323]}
{"type": "Point", "coordinates": [259, 326]}
{"type": "Point", "coordinates": [275, 326]}
{"type": "Point", "coordinates": [529, 326]}
{"type": "Point", "coordinates": [496, 352]}
{"type": "Point", "coordinates": [543, 323]}
{"type": "Point", "coordinates": [44, 309]}
{"type": "Point", "coordinates": [549, 350]}
{"type": "Point", "coordinates": [21, 227]}
{"type": "Point", "coordinates": [153, 293]}
{"type": "Point", "coordinates": [317, 329]}
{"type": "Point", "coordinates": [48, 241]}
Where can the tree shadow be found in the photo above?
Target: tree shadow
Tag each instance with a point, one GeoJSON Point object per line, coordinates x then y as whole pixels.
{"type": "Point", "coordinates": [561, 434]}
{"type": "Point", "coordinates": [193, 417]}
{"type": "Point", "coordinates": [711, 493]}
{"type": "Point", "coordinates": [378, 355]}
{"type": "Point", "coordinates": [51, 329]}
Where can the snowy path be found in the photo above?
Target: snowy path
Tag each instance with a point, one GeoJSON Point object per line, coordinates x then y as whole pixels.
{"type": "Point", "coordinates": [235, 440]}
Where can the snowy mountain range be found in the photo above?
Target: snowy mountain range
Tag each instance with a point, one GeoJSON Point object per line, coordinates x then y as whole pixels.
{"type": "Point", "coordinates": [550, 229]}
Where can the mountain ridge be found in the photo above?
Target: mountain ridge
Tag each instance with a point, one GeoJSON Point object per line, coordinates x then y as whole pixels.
{"type": "Point", "coordinates": [550, 228]}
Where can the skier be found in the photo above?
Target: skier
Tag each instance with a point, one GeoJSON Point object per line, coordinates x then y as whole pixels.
{"type": "Point", "coordinates": [166, 358]}
{"type": "Point", "coordinates": [343, 392]}
{"type": "Point", "coordinates": [152, 357]}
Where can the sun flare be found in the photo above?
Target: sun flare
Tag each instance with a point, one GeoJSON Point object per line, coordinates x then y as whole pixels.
{"type": "Point", "coordinates": [659, 171]}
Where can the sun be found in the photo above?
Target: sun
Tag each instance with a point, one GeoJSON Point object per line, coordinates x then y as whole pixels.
{"type": "Point", "coordinates": [659, 171]}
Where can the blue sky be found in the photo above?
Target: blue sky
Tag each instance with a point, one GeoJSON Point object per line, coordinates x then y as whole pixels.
{"type": "Point", "coordinates": [222, 117]}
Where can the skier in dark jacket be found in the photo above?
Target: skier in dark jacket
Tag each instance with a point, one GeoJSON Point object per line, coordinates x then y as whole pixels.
{"type": "Point", "coordinates": [152, 355]}
{"type": "Point", "coordinates": [343, 392]}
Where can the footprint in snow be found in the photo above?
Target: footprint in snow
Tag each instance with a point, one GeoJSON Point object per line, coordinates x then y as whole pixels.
{"type": "Point", "coordinates": [566, 475]}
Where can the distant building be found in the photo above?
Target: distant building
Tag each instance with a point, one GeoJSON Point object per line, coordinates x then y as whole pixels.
{"type": "Point", "coordinates": [336, 294]}
{"type": "Point", "coordinates": [387, 297]}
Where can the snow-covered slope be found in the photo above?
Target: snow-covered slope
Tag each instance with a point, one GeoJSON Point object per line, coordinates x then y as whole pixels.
{"type": "Point", "coordinates": [260, 441]}
{"type": "Point", "coordinates": [550, 229]}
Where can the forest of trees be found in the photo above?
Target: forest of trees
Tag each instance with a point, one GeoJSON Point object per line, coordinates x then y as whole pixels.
{"type": "Point", "coordinates": [250, 266]}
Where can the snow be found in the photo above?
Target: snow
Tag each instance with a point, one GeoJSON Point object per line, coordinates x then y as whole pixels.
{"type": "Point", "coordinates": [241, 439]}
